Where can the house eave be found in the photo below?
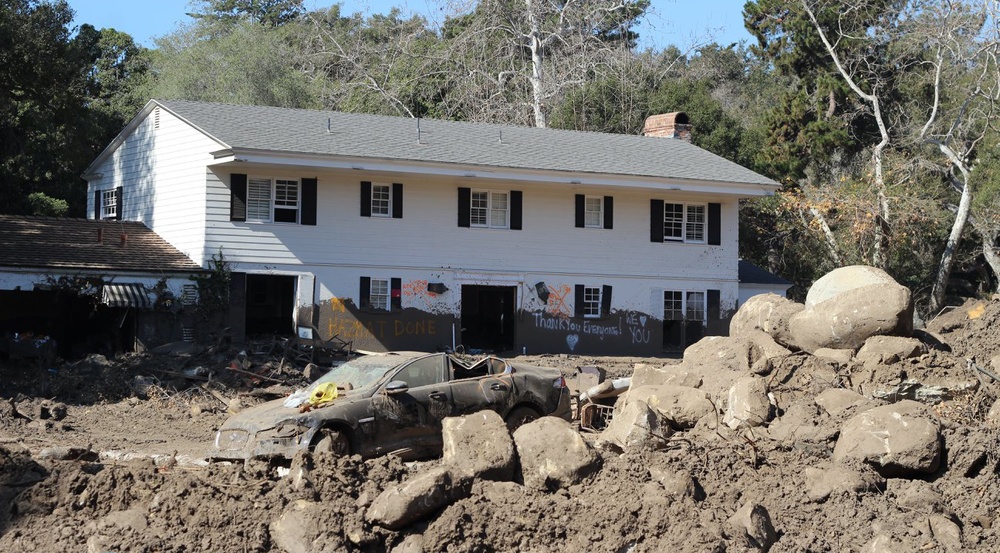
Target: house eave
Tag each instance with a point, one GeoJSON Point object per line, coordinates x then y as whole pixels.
{"type": "Point", "coordinates": [578, 180]}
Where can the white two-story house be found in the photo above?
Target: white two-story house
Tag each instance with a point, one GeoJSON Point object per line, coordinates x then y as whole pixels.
{"type": "Point", "coordinates": [398, 233]}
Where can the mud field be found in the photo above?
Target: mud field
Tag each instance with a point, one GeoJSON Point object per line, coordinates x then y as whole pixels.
{"type": "Point", "coordinates": [106, 456]}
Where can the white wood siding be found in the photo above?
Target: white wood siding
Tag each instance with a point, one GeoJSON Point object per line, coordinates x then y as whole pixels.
{"type": "Point", "coordinates": [162, 173]}
{"type": "Point", "coordinates": [428, 245]}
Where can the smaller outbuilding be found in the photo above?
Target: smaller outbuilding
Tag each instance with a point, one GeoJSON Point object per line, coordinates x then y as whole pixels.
{"type": "Point", "coordinates": [75, 286]}
{"type": "Point", "coordinates": [754, 280]}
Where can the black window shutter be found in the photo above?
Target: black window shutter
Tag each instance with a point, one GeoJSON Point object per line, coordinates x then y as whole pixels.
{"type": "Point", "coordinates": [605, 300]}
{"type": "Point", "coordinates": [464, 207]}
{"type": "Point", "coordinates": [366, 198]}
{"type": "Point", "coordinates": [364, 299]}
{"type": "Point", "coordinates": [515, 209]}
{"type": "Point", "coordinates": [578, 301]}
{"type": "Point", "coordinates": [396, 293]}
{"type": "Point", "coordinates": [580, 201]}
{"type": "Point", "coordinates": [714, 307]}
{"type": "Point", "coordinates": [609, 212]}
{"type": "Point", "coordinates": [397, 200]}
{"type": "Point", "coordinates": [97, 204]}
{"type": "Point", "coordinates": [714, 224]}
{"type": "Point", "coordinates": [656, 220]}
{"type": "Point", "coordinates": [237, 197]}
{"type": "Point", "coordinates": [118, 204]}
{"type": "Point", "coordinates": [308, 215]}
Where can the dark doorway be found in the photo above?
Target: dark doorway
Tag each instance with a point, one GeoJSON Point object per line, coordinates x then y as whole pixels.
{"type": "Point", "coordinates": [488, 317]}
{"type": "Point", "coordinates": [270, 304]}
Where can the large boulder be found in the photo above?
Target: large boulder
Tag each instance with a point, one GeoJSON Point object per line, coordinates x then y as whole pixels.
{"type": "Point", "coordinates": [844, 279]}
{"type": "Point", "coordinates": [479, 443]}
{"type": "Point", "coordinates": [769, 313]}
{"type": "Point", "coordinates": [651, 375]}
{"type": "Point", "coordinates": [898, 440]}
{"type": "Point", "coordinates": [681, 405]}
{"type": "Point", "coordinates": [553, 454]}
{"type": "Point", "coordinates": [886, 350]}
{"type": "Point", "coordinates": [298, 527]}
{"type": "Point", "coordinates": [419, 497]}
{"type": "Point", "coordinates": [849, 306]}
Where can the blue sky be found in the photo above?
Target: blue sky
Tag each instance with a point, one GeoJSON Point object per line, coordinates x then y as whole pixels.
{"type": "Point", "coordinates": [679, 22]}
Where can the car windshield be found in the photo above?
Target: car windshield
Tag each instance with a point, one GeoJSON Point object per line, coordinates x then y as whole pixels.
{"type": "Point", "coordinates": [362, 371]}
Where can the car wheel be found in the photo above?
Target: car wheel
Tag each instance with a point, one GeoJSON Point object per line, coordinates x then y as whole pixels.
{"type": "Point", "coordinates": [333, 441]}
{"type": "Point", "coordinates": [520, 416]}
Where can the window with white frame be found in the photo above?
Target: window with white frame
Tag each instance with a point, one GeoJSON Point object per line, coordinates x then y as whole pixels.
{"type": "Point", "coordinates": [109, 204]}
{"type": "Point", "coordinates": [684, 223]}
{"type": "Point", "coordinates": [381, 200]}
{"type": "Point", "coordinates": [679, 306]}
{"type": "Point", "coordinates": [592, 302]}
{"type": "Point", "coordinates": [593, 212]}
{"type": "Point", "coordinates": [490, 209]}
{"type": "Point", "coordinates": [378, 297]}
{"type": "Point", "coordinates": [272, 200]}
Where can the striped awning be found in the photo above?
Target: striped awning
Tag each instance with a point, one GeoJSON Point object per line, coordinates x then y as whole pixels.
{"type": "Point", "coordinates": [125, 295]}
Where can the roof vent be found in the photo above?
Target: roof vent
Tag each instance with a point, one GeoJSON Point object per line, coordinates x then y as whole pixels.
{"type": "Point", "coordinates": [668, 125]}
{"type": "Point", "coordinates": [156, 117]}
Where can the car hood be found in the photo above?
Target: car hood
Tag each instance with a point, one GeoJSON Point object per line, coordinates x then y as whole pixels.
{"type": "Point", "coordinates": [274, 413]}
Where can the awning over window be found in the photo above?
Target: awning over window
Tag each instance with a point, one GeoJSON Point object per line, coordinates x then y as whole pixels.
{"type": "Point", "coordinates": [125, 295]}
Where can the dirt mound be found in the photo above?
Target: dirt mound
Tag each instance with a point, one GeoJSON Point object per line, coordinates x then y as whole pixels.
{"type": "Point", "coordinates": [677, 494]}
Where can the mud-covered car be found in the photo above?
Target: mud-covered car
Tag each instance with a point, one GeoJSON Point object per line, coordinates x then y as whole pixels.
{"type": "Point", "coordinates": [392, 403]}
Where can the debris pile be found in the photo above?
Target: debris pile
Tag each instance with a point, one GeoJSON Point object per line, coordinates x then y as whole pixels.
{"type": "Point", "coordinates": [826, 426]}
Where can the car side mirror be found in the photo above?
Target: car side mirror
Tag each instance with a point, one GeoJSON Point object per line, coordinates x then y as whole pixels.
{"type": "Point", "coordinates": [396, 387]}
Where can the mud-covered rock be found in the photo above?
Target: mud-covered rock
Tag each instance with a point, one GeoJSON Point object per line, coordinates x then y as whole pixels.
{"type": "Point", "coordinates": [480, 444]}
{"type": "Point", "coordinates": [885, 350]}
{"type": "Point", "coordinates": [418, 497]}
{"type": "Point", "coordinates": [839, 356]}
{"type": "Point", "coordinates": [751, 524]}
{"type": "Point", "coordinates": [681, 405]}
{"type": "Point", "coordinates": [553, 454]}
{"type": "Point", "coordinates": [847, 306]}
{"type": "Point", "coordinates": [822, 482]}
{"type": "Point", "coordinates": [901, 440]}
{"type": "Point", "coordinates": [748, 404]}
{"type": "Point", "coordinates": [646, 374]}
{"type": "Point", "coordinates": [635, 425]}
{"type": "Point", "coordinates": [769, 313]}
{"type": "Point", "coordinates": [837, 400]}
{"type": "Point", "coordinates": [295, 530]}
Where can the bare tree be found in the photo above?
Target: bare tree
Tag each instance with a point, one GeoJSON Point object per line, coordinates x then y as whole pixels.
{"type": "Point", "coordinates": [942, 44]}
{"type": "Point", "coordinates": [528, 54]}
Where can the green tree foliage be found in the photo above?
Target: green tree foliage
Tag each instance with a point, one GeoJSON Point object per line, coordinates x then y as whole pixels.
{"type": "Point", "coordinates": [271, 13]}
{"type": "Point", "coordinates": [58, 106]}
{"type": "Point", "coordinates": [245, 63]}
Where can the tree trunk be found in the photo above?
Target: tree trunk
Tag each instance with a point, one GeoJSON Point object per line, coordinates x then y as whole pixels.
{"type": "Point", "coordinates": [948, 257]}
{"type": "Point", "coordinates": [990, 253]}
{"type": "Point", "coordinates": [534, 38]}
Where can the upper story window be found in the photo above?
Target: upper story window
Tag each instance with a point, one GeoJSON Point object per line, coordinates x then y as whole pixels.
{"type": "Point", "coordinates": [381, 200]}
{"type": "Point", "coordinates": [109, 203]}
{"type": "Point", "coordinates": [272, 200]}
{"type": "Point", "coordinates": [684, 223]}
{"type": "Point", "coordinates": [490, 209]}
{"type": "Point", "coordinates": [593, 212]}
{"type": "Point", "coordinates": [687, 223]}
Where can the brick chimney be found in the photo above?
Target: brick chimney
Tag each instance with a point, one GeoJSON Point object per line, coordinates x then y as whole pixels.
{"type": "Point", "coordinates": [669, 125]}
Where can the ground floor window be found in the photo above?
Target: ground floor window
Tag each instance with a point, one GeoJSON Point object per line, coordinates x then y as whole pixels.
{"type": "Point", "coordinates": [684, 318]}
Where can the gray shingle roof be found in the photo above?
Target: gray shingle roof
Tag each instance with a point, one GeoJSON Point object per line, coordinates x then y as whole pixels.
{"type": "Point", "coordinates": [303, 131]}
{"type": "Point", "coordinates": [752, 274]}
{"type": "Point", "coordinates": [66, 243]}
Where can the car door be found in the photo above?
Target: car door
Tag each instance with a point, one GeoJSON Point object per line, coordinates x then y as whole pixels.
{"type": "Point", "coordinates": [409, 422]}
{"type": "Point", "coordinates": [486, 385]}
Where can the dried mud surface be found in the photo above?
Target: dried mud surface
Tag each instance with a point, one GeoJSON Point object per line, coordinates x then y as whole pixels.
{"type": "Point", "coordinates": [135, 482]}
